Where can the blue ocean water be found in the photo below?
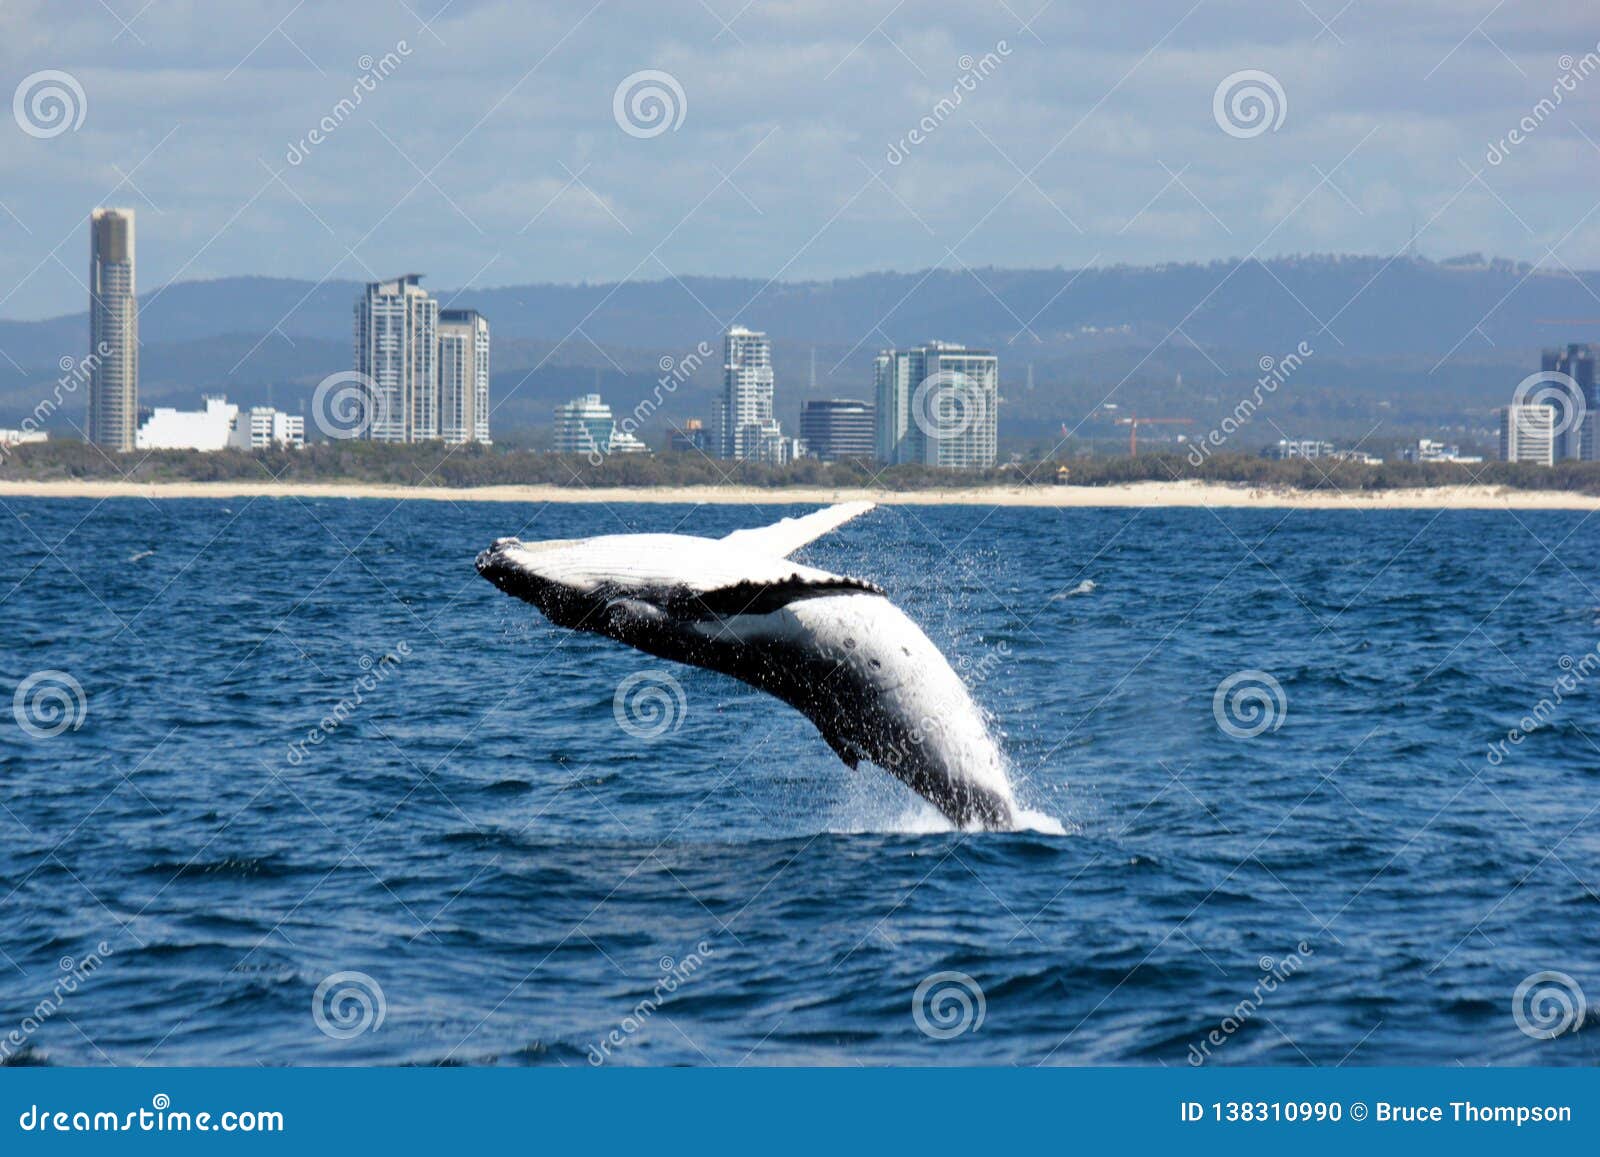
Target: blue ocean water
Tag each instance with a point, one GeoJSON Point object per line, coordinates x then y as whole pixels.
{"type": "Point", "coordinates": [518, 880]}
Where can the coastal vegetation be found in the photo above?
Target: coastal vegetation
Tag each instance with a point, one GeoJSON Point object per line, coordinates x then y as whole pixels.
{"type": "Point", "coordinates": [436, 465]}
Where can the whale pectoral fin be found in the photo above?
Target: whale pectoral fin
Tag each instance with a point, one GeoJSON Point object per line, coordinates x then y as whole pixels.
{"type": "Point", "coordinates": [789, 535]}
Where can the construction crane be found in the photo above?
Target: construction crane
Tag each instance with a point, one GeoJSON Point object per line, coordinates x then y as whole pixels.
{"type": "Point", "coordinates": [1133, 425]}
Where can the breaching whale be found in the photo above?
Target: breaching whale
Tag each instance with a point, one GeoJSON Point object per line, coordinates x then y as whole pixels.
{"type": "Point", "coordinates": [833, 647]}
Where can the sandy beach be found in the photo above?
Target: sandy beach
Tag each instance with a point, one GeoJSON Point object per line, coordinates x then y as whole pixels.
{"type": "Point", "coordinates": [1190, 494]}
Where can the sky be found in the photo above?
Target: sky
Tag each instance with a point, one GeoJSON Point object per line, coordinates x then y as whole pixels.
{"type": "Point", "coordinates": [487, 144]}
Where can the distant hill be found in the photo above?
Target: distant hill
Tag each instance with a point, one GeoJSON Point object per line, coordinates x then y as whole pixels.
{"type": "Point", "coordinates": [1408, 342]}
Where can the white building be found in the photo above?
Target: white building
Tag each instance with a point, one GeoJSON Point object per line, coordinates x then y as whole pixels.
{"type": "Point", "coordinates": [171, 429]}
{"type": "Point", "coordinates": [1286, 448]}
{"type": "Point", "coordinates": [747, 431]}
{"type": "Point", "coordinates": [1527, 434]}
{"type": "Point", "coordinates": [1427, 450]}
{"type": "Point", "coordinates": [396, 331]}
{"type": "Point", "coordinates": [463, 376]}
{"type": "Point", "coordinates": [22, 437]}
{"type": "Point", "coordinates": [220, 426]}
{"type": "Point", "coordinates": [263, 428]}
{"type": "Point", "coordinates": [937, 405]}
{"type": "Point", "coordinates": [586, 426]}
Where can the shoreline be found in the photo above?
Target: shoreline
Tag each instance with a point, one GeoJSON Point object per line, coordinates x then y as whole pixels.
{"type": "Point", "coordinates": [1129, 494]}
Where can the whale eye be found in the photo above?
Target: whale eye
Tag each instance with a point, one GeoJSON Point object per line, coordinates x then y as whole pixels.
{"type": "Point", "coordinates": [849, 644]}
{"type": "Point", "coordinates": [874, 664]}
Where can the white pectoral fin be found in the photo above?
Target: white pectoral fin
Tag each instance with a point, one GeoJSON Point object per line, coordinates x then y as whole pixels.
{"type": "Point", "coordinates": [784, 538]}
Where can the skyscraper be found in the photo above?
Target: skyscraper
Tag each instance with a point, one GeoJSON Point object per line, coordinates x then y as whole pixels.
{"type": "Point", "coordinates": [747, 431]}
{"type": "Point", "coordinates": [1527, 434]}
{"type": "Point", "coordinates": [837, 429]}
{"type": "Point", "coordinates": [1578, 439]}
{"type": "Point", "coordinates": [463, 376]}
{"type": "Point", "coordinates": [937, 405]}
{"type": "Point", "coordinates": [113, 418]}
{"type": "Point", "coordinates": [397, 325]}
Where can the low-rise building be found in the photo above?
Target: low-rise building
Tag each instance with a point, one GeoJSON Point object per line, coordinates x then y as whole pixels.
{"type": "Point", "coordinates": [586, 426]}
{"type": "Point", "coordinates": [1427, 450]}
{"type": "Point", "coordinates": [691, 437]}
{"type": "Point", "coordinates": [1286, 448]}
{"type": "Point", "coordinates": [22, 437]}
{"type": "Point", "coordinates": [263, 428]}
{"type": "Point", "coordinates": [168, 428]}
{"type": "Point", "coordinates": [839, 429]}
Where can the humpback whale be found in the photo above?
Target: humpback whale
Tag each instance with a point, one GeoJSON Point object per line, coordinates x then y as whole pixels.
{"type": "Point", "coordinates": [831, 646]}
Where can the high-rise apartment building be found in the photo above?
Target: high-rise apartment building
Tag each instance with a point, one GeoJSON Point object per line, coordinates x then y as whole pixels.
{"type": "Point", "coordinates": [747, 431]}
{"type": "Point", "coordinates": [838, 429]}
{"type": "Point", "coordinates": [1576, 438]}
{"type": "Point", "coordinates": [113, 417]}
{"type": "Point", "coordinates": [1527, 434]}
{"type": "Point", "coordinates": [396, 331]}
{"type": "Point", "coordinates": [463, 376]}
{"type": "Point", "coordinates": [937, 405]}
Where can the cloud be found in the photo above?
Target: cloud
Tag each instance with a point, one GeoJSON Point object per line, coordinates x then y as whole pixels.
{"type": "Point", "coordinates": [1094, 138]}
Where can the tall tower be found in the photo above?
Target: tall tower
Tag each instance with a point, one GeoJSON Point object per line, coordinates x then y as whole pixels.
{"type": "Point", "coordinates": [1578, 417]}
{"type": "Point", "coordinates": [113, 331]}
{"type": "Point", "coordinates": [463, 376]}
{"type": "Point", "coordinates": [397, 335]}
{"type": "Point", "coordinates": [746, 394]}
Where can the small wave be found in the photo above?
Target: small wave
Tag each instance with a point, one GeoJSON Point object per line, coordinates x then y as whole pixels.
{"type": "Point", "coordinates": [237, 867]}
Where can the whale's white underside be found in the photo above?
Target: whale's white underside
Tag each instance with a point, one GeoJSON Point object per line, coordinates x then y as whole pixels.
{"type": "Point", "coordinates": [834, 647]}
